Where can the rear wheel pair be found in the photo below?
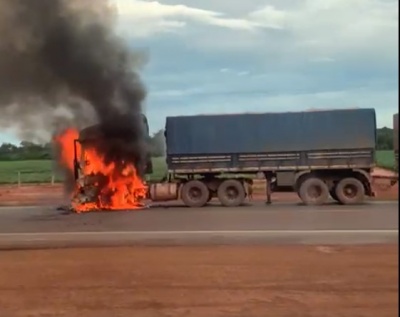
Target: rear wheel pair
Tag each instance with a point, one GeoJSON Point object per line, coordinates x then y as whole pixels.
{"type": "Point", "coordinates": [230, 193]}
{"type": "Point", "coordinates": [314, 191]}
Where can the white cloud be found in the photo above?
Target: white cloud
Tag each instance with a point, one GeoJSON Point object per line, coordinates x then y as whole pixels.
{"type": "Point", "coordinates": [328, 27]}
{"type": "Point", "coordinates": [269, 16]}
{"type": "Point", "coordinates": [321, 30]}
{"type": "Point", "coordinates": [315, 28]}
{"type": "Point", "coordinates": [359, 18]}
{"type": "Point", "coordinates": [174, 93]}
{"type": "Point", "coordinates": [144, 18]}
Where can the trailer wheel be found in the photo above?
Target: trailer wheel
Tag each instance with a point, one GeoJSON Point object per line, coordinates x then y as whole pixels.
{"type": "Point", "coordinates": [313, 191]}
{"type": "Point", "coordinates": [231, 193]}
{"type": "Point", "coordinates": [195, 194]}
{"type": "Point", "coordinates": [350, 191]}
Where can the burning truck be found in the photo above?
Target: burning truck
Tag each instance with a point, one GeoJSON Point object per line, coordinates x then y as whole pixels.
{"type": "Point", "coordinates": [100, 184]}
{"type": "Point", "coordinates": [318, 154]}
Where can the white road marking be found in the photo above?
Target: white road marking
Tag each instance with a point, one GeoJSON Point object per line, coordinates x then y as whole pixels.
{"type": "Point", "coordinates": [211, 236]}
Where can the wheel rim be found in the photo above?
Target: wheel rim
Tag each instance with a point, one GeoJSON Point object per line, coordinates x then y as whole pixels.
{"type": "Point", "coordinates": [195, 194]}
{"type": "Point", "coordinates": [350, 191]}
{"type": "Point", "coordinates": [232, 193]}
{"type": "Point", "coordinates": [315, 192]}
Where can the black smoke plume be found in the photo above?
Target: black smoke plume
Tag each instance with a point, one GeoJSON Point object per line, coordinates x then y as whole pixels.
{"type": "Point", "coordinates": [62, 64]}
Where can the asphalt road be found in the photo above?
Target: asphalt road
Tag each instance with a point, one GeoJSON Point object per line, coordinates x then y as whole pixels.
{"type": "Point", "coordinates": [277, 224]}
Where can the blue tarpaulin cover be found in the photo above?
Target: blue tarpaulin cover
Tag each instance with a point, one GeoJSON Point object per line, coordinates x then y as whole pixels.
{"type": "Point", "coordinates": [271, 132]}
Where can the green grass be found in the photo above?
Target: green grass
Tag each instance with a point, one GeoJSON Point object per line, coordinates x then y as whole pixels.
{"type": "Point", "coordinates": [385, 159]}
{"type": "Point", "coordinates": [42, 171]}
{"type": "Point", "coordinates": [26, 171]}
{"type": "Point", "coordinates": [159, 168]}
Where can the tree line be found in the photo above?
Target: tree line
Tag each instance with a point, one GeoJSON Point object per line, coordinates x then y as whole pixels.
{"type": "Point", "coordinates": [32, 151]}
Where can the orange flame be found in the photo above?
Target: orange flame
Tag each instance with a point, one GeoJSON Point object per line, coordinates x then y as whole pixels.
{"type": "Point", "coordinates": [66, 141]}
{"type": "Point", "coordinates": [110, 188]}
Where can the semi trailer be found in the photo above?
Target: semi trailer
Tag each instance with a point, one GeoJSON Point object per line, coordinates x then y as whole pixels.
{"type": "Point", "coordinates": [319, 154]}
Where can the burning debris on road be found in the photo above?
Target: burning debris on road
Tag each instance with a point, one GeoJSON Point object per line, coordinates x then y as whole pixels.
{"type": "Point", "coordinates": [64, 68]}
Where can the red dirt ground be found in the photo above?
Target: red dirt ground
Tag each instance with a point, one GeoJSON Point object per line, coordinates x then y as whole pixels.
{"type": "Point", "coordinates": [53, 194]}
{"type": "Point", "coordinates": [228, 281]}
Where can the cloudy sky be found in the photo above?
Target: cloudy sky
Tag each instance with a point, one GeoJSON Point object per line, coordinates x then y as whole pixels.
{"type": "Point", "coordinates": [226, 56]}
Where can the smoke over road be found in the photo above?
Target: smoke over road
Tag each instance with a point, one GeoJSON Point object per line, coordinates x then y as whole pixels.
{"type": "Point", "coordinates": [61, 64]}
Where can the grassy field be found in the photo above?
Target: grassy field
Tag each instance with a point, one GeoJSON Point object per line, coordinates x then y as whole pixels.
{"type": "Point", "coordinates": [385, 159]}
{"type": "Point", "coordinates": [42, 171]}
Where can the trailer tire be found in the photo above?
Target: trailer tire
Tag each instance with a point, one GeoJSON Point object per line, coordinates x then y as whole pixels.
{"type": "Point", "coordinates": [313, 191]}
{"type": "Point", "coordinates": [231, 193]}
{"type": "Point", "coordinates": [350, 191]}
{"type": "Point", "coordinates": [195, 193]}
